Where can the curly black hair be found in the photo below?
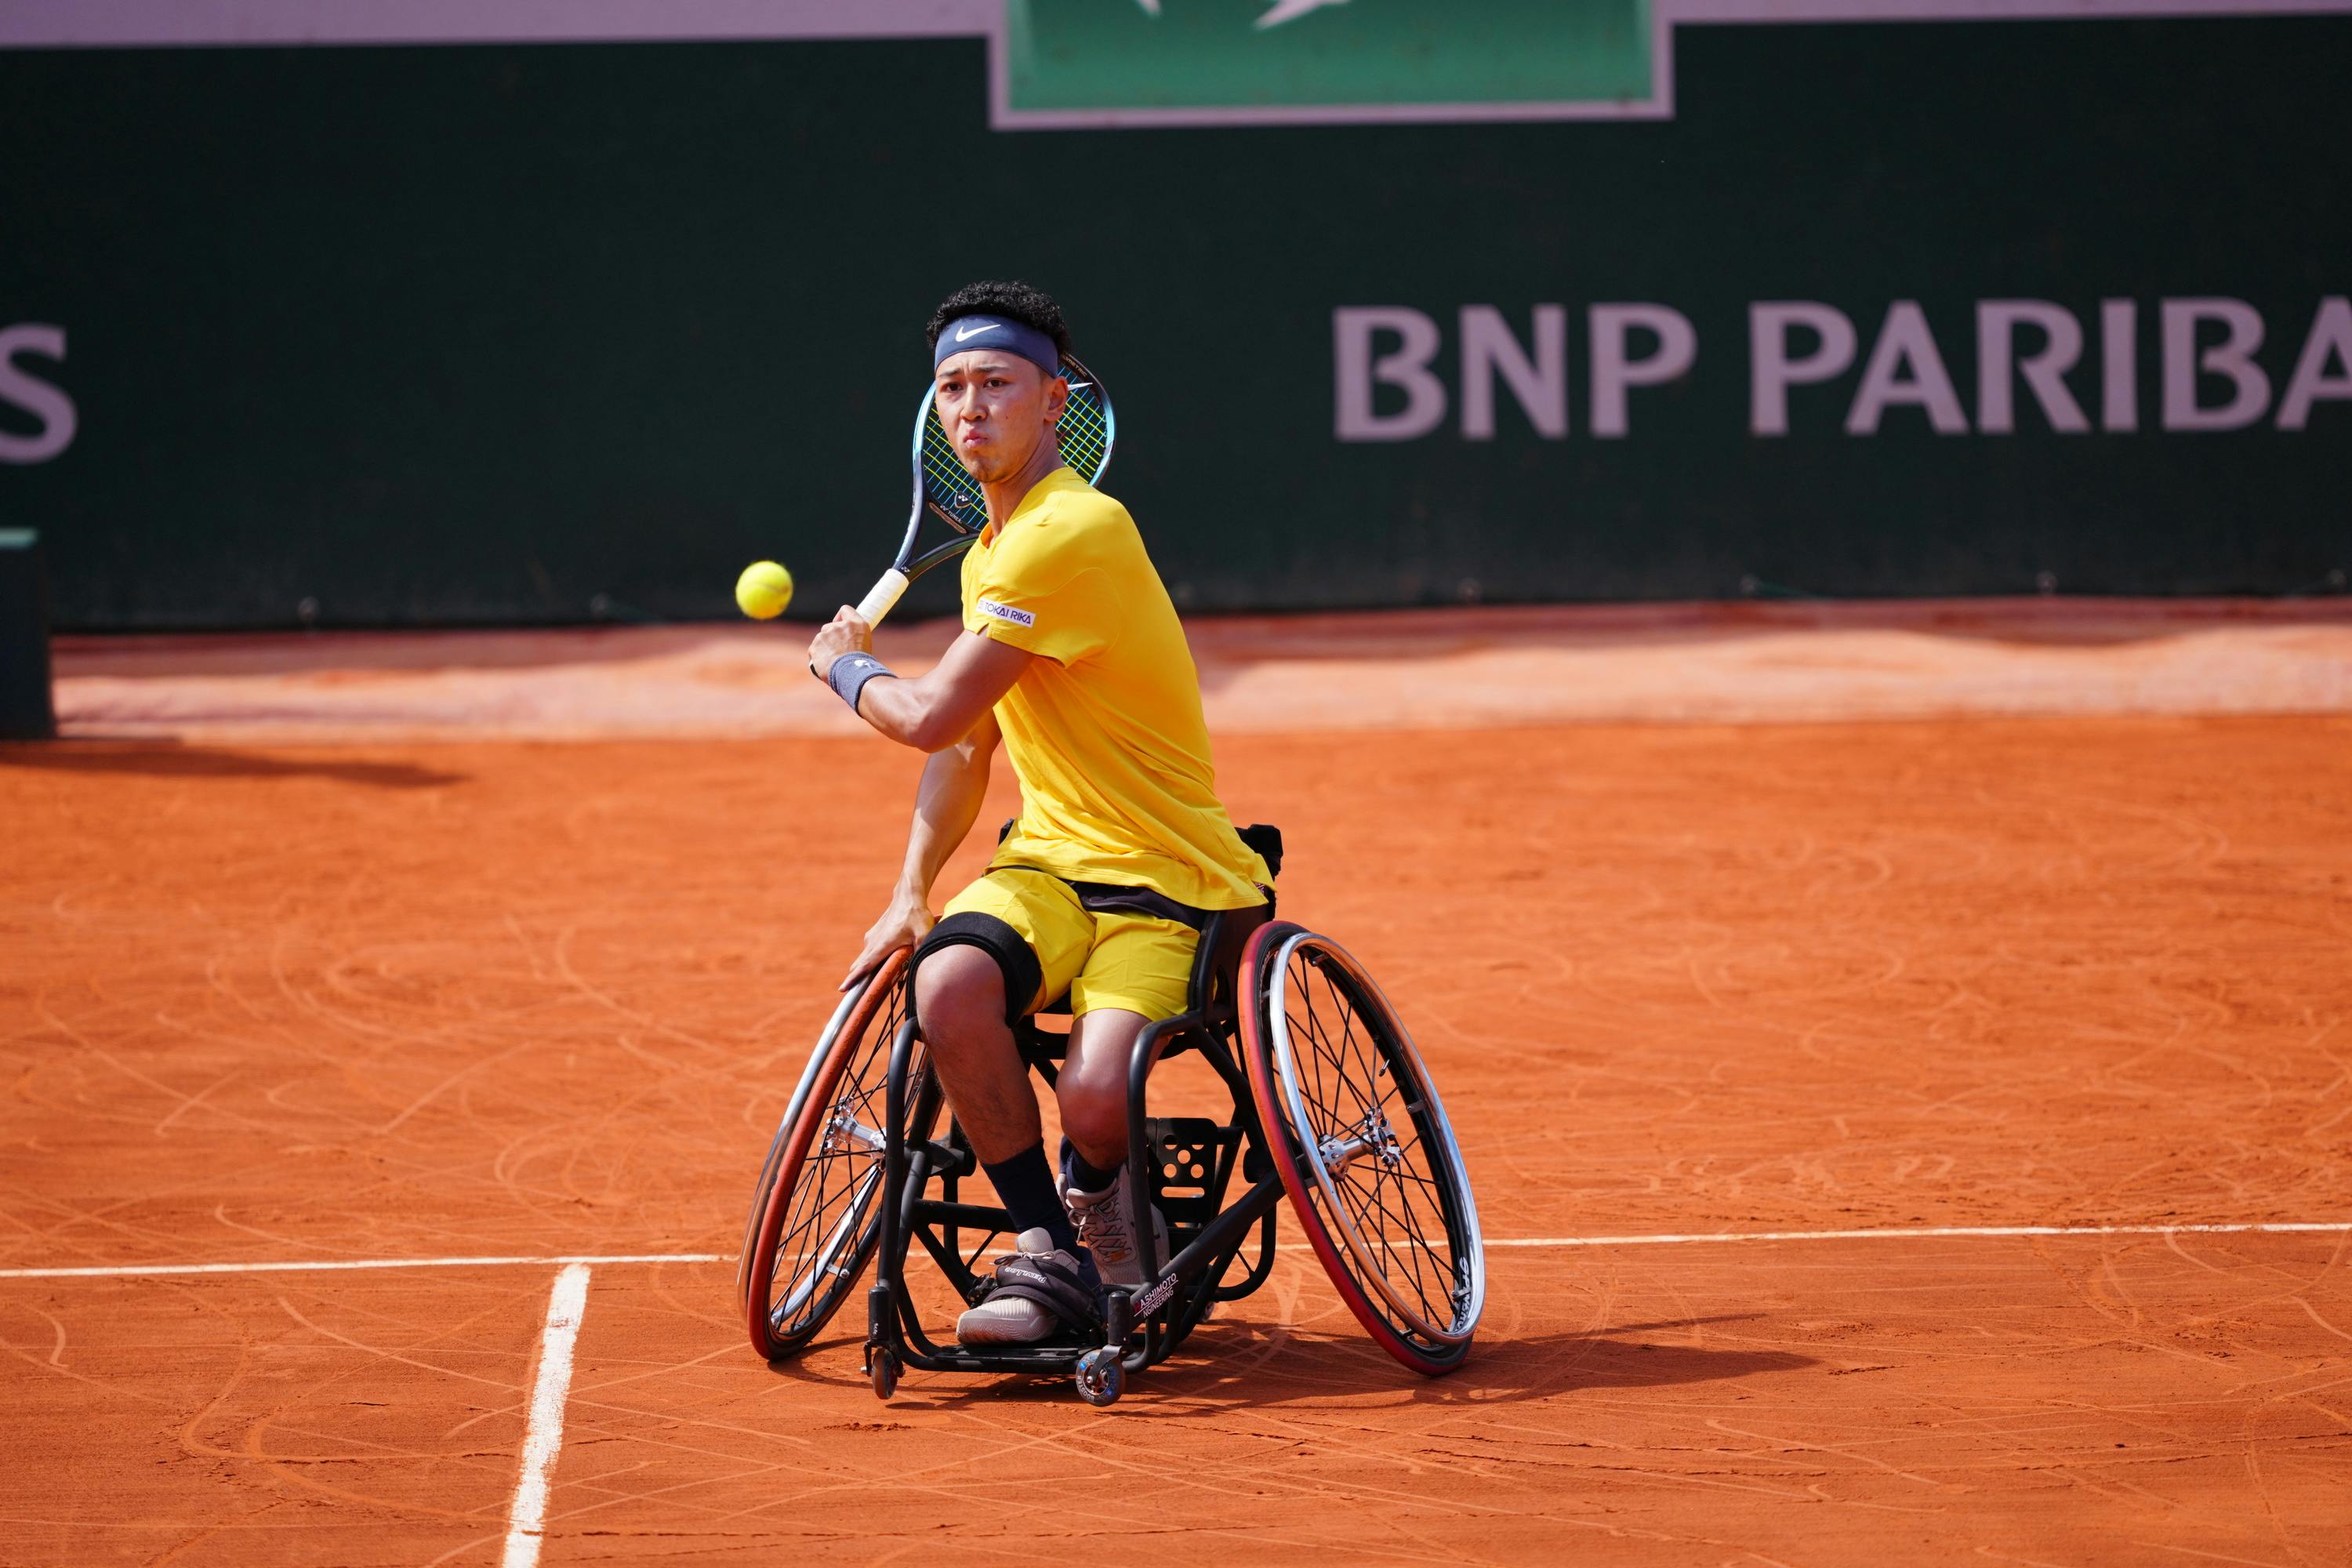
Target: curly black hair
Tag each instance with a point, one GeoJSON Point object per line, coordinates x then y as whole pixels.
{"type": "Point", "coordinates": [1014, 301]}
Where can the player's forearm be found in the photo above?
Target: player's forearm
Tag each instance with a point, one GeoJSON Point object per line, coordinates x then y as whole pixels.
{"type": "Point", "coordinates": [945, 706]}
{"type": "Point", "coordinates": [917, 712]}
{"type": "Point", "coordinates": [955, 781]}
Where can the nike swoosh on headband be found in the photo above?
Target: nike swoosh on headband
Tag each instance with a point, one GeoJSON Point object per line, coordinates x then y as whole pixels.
{"type": "Point", "coordinates": [1012, 337]}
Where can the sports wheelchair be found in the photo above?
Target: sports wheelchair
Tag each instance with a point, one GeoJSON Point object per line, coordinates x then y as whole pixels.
{"type": "Point", "coordinates": [1332, 1107]}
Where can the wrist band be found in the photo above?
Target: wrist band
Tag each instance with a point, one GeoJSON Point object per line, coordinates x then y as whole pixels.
{"type": "Point", "coordinates": [850, 673]}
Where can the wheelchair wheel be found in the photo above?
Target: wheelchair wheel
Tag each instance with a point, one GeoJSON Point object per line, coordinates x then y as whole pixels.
{"type": "Point", "coordinates": [816, 1213]}
{"type": "Point", "coordinates": [1360, 1138]}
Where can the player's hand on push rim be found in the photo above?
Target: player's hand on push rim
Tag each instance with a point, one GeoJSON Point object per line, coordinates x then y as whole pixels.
{"type": "Point", "coordinates": [847, 632]}
{"type": "Point", "coordinates": [907, 921]}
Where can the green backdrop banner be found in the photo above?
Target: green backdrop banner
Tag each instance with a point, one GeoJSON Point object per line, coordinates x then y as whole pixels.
{"type": "Point", "coordinates": [483, 334]}
{"type": "Point", "coordinates": [1066, 56]}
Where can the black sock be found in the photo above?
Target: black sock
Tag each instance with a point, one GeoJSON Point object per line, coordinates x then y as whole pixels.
{"type": "Point", "coordinates": [1082, 1177]}
{"type": "Point", "coordinates": [1026, 1183]}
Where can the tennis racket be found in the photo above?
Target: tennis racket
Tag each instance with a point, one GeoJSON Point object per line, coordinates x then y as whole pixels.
{"type": "Point", "coordinates": [944, 491]}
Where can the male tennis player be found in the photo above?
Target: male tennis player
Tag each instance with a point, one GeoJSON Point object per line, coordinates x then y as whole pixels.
{"type": "Point", "coordinates": [1072, 658]}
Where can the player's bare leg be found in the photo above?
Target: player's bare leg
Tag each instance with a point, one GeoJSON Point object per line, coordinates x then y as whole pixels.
{"type": "Point", "coordinates": [959, 998]}
{"type": "Point", "coordinates": [1092, 1091]}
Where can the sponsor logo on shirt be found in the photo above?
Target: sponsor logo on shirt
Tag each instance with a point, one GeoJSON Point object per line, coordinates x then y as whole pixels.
{"type": "Point", "coordinates": [1007, 613]}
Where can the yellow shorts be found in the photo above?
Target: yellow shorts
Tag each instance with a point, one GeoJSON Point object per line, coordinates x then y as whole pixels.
{"type": "Point", "coordinates": [1109, 960]}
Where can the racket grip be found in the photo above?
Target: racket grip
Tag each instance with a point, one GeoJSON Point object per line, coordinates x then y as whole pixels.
{"type": "Point", "coordinates": [882, 596]}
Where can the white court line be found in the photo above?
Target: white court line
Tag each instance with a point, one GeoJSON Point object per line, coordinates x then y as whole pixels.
{"type": "Point", "coordinates": [2267, 1227]}
{"type": "Point", "coordinates": [566, 1304]}
{"type": "Point", "coordinates": [126, 1270]}
{"type": "Point", "coordinates": [2278, 1229]}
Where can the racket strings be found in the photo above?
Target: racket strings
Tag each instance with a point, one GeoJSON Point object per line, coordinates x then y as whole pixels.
{"type": "Point", "coordinates": [1083, 437]}
{"type": "Point", "coordinates": [945, 483]}
{"type": "Point", "coordinates": [1082, 434]}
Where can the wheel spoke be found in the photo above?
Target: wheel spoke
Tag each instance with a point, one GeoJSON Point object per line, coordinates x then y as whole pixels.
{"type": "Point", "coordinates": [833, 1209]}
{"type": "Point", "coordinates": [1402, 1214]}
{"type": "Point", "coordinates": [1420, 1252]}
{"type": "Point", "coordinates": [1424, 1251]}
{"type": "Point", "coordinates": [1370, 1128]}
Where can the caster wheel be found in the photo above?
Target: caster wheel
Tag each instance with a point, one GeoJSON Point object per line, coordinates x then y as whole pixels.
{"type": "Point", "coordinates": [885, 1372]}
{"type": "Point", "coordinates": [1100, 1377]}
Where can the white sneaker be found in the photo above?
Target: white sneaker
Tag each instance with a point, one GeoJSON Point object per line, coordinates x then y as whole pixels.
{"type": "Point", "coordinates": [1105, 1222]}
{"type": "Point", "coordinates": [1010, 1320]}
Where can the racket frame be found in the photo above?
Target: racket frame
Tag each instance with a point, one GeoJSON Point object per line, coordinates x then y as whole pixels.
{"type": "Point", "coordinates": [885, 594]}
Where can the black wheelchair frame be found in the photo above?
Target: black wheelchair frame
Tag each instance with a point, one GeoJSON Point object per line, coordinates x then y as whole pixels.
{"type": "Point", "coordinates": [1333, 1108]}
{"type": "Point", "coordinates": [1184, 1165]}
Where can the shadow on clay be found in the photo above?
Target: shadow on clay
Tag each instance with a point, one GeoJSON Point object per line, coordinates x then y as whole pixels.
{"type": "Point", "coordinates": [1302, 1367]}
{"type": "Point", "coordinates": [166, 761]}
{"type": "Point", "coordinates": [1238, 1364]}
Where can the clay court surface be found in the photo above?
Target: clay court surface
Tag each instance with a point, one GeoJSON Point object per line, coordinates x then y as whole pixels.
{"type": "Point", "coordinates": [2011, 961]}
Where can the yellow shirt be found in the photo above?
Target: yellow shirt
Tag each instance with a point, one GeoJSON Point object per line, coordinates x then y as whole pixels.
{"type": "Point", "coordinates": [1105, 727]}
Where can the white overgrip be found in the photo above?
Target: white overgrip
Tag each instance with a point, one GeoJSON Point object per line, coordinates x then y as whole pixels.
{"type": "Point", "coordinates": [882, 596]}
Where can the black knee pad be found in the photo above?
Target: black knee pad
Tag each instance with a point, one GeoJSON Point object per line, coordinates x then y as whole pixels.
{"type": "Point", "coordinates": [1014, 960]}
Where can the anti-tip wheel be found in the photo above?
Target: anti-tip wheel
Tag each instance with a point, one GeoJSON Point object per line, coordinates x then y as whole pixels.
{"type": "Point", "coordinates": [884, 1371]}
{"type": "Point", "coordinates": [1101, 1377]}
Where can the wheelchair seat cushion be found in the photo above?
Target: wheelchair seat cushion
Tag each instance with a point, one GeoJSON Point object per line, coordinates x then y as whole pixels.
{"type": "Point", "coordinates": [1056, 1281]}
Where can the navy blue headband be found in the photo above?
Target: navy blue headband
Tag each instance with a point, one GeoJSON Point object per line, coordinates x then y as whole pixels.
{"type": "Point", "coordinates": [966, 334]}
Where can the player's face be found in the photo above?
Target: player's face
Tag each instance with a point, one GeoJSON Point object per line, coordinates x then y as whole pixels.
{"type": "Point", "coordinates": [998, 409]}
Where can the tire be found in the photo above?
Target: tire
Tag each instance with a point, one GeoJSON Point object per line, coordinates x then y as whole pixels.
{"type": "Point", "coordinates": [815, 1214]}
{"type": "Point", "coordinates": [1355, 1129]}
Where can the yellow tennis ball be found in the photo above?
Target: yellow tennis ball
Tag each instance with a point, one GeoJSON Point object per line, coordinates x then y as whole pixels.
{"type": "Point", "coordinates": [763, 590]}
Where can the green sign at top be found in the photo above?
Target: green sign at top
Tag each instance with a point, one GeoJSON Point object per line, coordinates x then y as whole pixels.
{"type": "Point", "coordinates": [1075, 62]}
